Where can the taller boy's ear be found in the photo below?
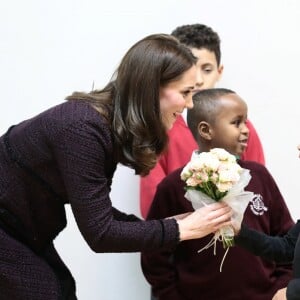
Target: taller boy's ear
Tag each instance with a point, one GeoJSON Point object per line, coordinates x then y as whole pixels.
{"type": "Point", "coordinates": [204, 130]}
{"type": "Point", "coordinates": [220, 72]}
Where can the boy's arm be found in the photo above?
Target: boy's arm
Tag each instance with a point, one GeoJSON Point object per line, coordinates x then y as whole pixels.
{"type": "Point", "coordinates": [279, 220]}
{"type": "Point", "coordinates": [158, 271]}
{"type": "Point", "coordinates": [280, 223]}
{"type": "Point", "coordinates": [277, 248]}
{"type": "Point", "coordinates": [254, 150]}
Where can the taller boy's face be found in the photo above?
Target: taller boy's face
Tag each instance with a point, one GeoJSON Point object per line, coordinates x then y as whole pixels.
{"type": "Point", "coordinates": [208, 71]}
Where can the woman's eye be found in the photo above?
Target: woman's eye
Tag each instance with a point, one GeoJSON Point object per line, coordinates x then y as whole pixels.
{"type": "Point", "coordinates": [186, 93]}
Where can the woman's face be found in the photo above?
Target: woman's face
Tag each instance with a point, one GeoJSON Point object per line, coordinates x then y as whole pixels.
{"type": "Point", "coordinates": [176, 96]}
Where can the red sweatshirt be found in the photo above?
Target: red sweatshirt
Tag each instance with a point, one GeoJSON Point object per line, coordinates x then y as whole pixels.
{"type": "Point", "coordinates": [186, 274]}
{"type": "Point", "coordinates": [181, 146]}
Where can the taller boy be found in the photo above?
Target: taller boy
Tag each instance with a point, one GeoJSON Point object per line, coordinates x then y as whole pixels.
{"type": "Point", "coordinates": [205, 45]}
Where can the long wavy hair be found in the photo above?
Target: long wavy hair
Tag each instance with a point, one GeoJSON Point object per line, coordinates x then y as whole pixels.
{"type": "Point", "coordinates": [131, 104]}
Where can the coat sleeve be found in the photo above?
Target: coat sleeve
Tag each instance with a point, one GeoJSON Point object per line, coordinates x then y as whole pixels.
{"type": "Point", "coordinates": [293, 289]}
{"type": "Point", "coordinates": [82, 151]}
{"type": "Point", "coordinates": [280, 223]}
{"type": "Point", "coordinates": [277, 248]}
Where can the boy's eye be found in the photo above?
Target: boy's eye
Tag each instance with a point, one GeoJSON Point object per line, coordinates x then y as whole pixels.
{"type": "Point", "coordinates": [207, 70]}
{"type": "Point", "coordinates": [237, 122]}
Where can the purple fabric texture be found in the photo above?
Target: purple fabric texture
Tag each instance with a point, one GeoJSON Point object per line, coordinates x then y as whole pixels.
{"type": "Point", "coordinates": [70, 149]}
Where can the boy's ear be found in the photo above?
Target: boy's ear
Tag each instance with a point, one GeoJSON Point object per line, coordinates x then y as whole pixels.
{"type": "Point", "coordinates": [220, 73]}
{"type": "Point", "coordinates": [205, 130]}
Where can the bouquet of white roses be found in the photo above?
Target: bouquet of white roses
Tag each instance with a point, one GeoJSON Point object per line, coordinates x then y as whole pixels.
{"type": "Point", "coordinates": [216, 176]}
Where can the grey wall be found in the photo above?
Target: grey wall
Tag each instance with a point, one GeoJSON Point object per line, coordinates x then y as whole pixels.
{"type": "Point", "coordinates": [51, 48]}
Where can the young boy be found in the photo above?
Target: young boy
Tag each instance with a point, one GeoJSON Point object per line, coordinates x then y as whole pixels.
{"type": "Point", "coordinates": [205, 45]}
{"type": "Point", "coordinates": [219, 120]}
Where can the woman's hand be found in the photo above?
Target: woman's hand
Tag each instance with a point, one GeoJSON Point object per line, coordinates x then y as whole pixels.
{"type": "Point", "coordinates": [280, 295]}
{"type": "Point", "coordinates": [203, 221]}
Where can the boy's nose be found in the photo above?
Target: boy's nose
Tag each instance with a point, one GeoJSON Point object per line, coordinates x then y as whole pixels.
{"type": "Point", "coordinates": [199, 79]}
{"type": "Point", "coordinates": [245, 129]}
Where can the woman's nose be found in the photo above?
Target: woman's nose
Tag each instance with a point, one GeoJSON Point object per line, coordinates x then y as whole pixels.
{"type": "Point", "coordinates": [189, 102]}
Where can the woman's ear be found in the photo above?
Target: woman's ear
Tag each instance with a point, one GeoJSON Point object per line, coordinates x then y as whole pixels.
{"type": "Point", "coordinates": [205, 130]}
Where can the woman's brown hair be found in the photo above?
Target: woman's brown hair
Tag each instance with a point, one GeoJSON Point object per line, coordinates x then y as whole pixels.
{"type": "Point", "coordinates": [131, 104]}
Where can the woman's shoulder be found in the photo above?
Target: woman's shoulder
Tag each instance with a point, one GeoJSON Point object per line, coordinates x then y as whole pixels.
{"type": "Point", "coordinates": [73, 118]}
{"type": "Point", "coordinates": [71, 113]}
{"type": "Point", "coordinates": [72, 109]}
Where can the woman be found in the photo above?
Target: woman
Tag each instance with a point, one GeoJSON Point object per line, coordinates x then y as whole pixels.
{"type": "Point", "coordinates": [68, 155]}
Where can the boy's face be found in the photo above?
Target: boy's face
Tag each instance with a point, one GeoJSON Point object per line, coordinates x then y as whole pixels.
{"type": "Point", "coordinates": [230, 130]}
{"type": "Point", "coordinates": [208, 71]}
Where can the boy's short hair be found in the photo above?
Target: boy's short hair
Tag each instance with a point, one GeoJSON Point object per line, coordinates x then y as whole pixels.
{"type": "Point", "coordinates": [205, 108]}
{"type": "Point", "coordinates": [199, 36]}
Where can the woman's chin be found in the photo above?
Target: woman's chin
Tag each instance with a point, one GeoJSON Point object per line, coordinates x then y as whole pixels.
{"type": "Point", "coordinates": [169, 124]}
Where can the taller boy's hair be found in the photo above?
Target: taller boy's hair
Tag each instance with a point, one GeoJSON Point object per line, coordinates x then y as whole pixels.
{"type": "Point", "coordinates": [199, 36]}
{"type": "Point", "coordinates": [206, 107]}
